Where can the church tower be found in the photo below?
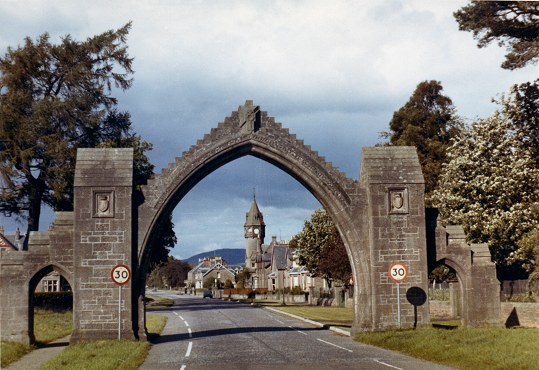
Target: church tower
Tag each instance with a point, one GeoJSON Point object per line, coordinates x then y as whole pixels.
{"type": "Point", "coordinates": [255, 230]}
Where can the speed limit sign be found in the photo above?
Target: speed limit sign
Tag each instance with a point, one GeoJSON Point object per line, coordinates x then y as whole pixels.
{"type": "Point", "coordinates": [120, 274]}
{"type": "Point", "coordinates": [397, 272]}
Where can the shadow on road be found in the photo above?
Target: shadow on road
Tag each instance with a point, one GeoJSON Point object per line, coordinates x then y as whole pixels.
{"type": "Point", "coordinates": [228, 331]}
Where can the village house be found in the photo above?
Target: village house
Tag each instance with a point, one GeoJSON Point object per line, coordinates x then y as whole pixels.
{"type": "Point", "coordinates": [213, 269]}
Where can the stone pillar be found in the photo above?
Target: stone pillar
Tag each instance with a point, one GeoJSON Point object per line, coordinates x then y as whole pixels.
{"type": "Point", "coordinates": [102, 239]}
{"type": "Point", "coordinates": [396, 208]}
{"type": "Point", "coordinates": [14, 295]}
{"type": "Point", "coordinates": [484, 303]}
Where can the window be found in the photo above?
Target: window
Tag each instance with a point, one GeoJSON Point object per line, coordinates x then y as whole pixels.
{"type": "Point", "coordinates": [50, 286]}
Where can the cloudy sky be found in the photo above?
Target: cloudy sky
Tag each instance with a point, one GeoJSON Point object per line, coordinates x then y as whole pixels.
{"type": "Point", "coordinates": [331, 72]}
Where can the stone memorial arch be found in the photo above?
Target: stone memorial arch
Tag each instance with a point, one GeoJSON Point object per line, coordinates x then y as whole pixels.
{"type": "Point", "coordinates": [380, 217]}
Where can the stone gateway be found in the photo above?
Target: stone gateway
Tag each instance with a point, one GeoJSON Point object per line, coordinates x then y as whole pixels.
{"type": "Point", "coordinates": [381, 218]}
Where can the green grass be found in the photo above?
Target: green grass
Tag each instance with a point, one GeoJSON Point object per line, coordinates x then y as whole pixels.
{"type": "Point", "coordinates": [107, 354]}
{"type": "Point", "coordinates": [157, 302]}
{"type": "Point", "coordinates": [481, 348]}
{"type": "Point", "coordinates": [155, 325]}
{"type": "Point", "coordinates": [333, 316]}
{"type": "Point", "coordinates": [12, 351]}
{"type": "Point", "coordinates": [51, 325]}
{"type": "Point", "coordinates": [48, 326]}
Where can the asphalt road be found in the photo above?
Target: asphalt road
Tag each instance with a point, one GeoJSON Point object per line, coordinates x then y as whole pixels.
{"type": "Point", "coordinates": [216, 334]}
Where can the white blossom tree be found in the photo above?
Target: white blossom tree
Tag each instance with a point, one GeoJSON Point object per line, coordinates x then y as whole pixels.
{"type": "Point", "coordinates": [490, 186]}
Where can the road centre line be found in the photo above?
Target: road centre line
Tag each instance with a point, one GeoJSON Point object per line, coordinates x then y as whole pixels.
{"type": "Point", "coordinates": [334, 345]}
{"type": "Point", "coordinates": [186, 323]}
{"type": "Point", "coordinates": [190, 332]}
{"type": "Point", "coordinates": [388, 365]}
{"type": "Point", "coordinates": [175, 313]}
{"type": "Point", "coordinates": [189, 348]}
{"type": "Point", "coordinates": [183, 367]}
{"type": "Point", "coordinates": [180, 316]}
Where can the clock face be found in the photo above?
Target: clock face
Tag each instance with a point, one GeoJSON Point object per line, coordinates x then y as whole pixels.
{"type": "Point", "coordinates": [250, 230]}
{"type": "Point", "coordinates": [256, 231]}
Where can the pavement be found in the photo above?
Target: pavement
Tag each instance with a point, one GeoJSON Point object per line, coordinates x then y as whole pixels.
{"type": "Point", "coordinates": [39, 356]}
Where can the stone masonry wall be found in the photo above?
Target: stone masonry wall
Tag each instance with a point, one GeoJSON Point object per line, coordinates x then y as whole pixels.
{"type": "Point", "coordinates": [395, 186]}
{"type": "Point", "coordinates": [103, 239]}
{"type": "Point", "coordinates": [21, 271]}
{"type": "Point", "coordinates": [520, 314]}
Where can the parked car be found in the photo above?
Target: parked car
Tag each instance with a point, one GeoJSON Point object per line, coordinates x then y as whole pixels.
{"type": "Point", "coordinates": [207, 294]}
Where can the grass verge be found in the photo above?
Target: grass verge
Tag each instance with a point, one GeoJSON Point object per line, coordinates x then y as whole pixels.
{"type": "Point", "coordinates": [12, 351]}
{"type": "Point", "coordinates": [158, 302]}
{"type": "Point", "coordinates": [481, 348]}
{"type": "Point", "coordinates": [332, 316]}
{"type": "Point", "coordinates": [48, 326]}
{"type": "Point", "coordinates": [107, 354]}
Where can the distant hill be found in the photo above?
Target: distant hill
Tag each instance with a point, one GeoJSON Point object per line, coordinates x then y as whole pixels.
{"type": "Point", "coordinates": [232, 256]}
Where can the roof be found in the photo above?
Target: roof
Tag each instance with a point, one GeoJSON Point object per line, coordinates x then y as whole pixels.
{"type": "Point", "coordinates": [254, 216]}
{"type": "Point", "coordinates": [5, 243]}
{"type": "Point", "coordinates": [10, 242]}
{"type": "Point", "coordinates": [219, 267]}
{"type": "Point", "coordinates": [280, 257]}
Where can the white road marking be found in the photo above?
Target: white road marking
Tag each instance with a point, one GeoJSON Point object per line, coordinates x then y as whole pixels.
{"type": "Point", "coordinates": [180, 316]}
{"type": "Point", "coordinates": [334, 345]}
{"type": "Point", "coordinates": [183, 367]}
{"type": "Point", "coordinates": [388, 365]}
{"type": "Point", "coordinates": [189, 348]}
{"type": "Point", "coordinates": [175, 313]}
{"type": "Point", "coordinates": [186, 323]}
{"type": "Point", "coordinates": [280, 322]}
{"type": "Point", "coordinates": [190, 332]}
{"type": "Point", "coordinates": [302, 332]}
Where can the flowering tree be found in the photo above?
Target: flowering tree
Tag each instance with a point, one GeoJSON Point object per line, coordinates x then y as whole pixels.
{"type": "Point", "coordinates": [489, 185]}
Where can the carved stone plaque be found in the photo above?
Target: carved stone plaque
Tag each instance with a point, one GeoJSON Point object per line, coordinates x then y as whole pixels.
{"type": "Point", "coordinates": [249, 116]}
{"type": "Point", "coordinates": [398, 201]}
{"type": "Point", "coordinates": [103, 203]}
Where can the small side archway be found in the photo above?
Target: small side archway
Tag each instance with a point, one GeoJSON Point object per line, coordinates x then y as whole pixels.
{"type": "Point", "coordinates": [32, 284]}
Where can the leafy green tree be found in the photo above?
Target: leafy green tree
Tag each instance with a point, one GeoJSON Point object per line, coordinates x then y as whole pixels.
{"type": "Point", "coordinates": [428, 122]}
{"type": "Point", "coordinates": [172, 273]}
{"type": "Point", "coordinates": [524, 113]}
{"type": "Point", "coordinates": [529, 251]}
{"type": "Point", "coordinates": [321, 249]}
{"type": "Point", "coordinates": [442, 273]}
{"type": "Point", "coordinates": [242, 278]}
{"type": "Point", "coordinates": [53, 100]}
{"type": "Point", "coordinates": [228, 284]}
{"type": "Point", "coordinates": [210, 283]}
{"type": "Point", "coordinates": [511, 23]}
{"type": "Point", "coordinates": [489, 185]}
{"type": "Point", "coordinates": [165, 240]}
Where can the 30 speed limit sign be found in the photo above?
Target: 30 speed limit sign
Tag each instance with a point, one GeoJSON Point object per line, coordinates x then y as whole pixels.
{"type": "Point", "coordinates": [397, 272]}
{"type": "Point", "coordinates": [120, 274]}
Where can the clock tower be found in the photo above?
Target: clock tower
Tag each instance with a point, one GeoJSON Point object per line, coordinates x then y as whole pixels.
{"type": "Point", "coordinates": [254, 230]}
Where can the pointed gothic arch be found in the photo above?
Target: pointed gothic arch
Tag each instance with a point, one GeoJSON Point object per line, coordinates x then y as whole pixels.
{"type": "Point", "coordinates": [250, 131]}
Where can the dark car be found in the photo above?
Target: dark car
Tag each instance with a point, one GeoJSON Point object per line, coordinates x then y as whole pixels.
{"type": "Point", "coordinates": [207, 294]}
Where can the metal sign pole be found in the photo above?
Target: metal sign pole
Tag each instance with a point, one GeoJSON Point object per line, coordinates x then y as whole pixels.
{"type": "Point", "coordinates": [399, 304]}
{"type": "Point", "coordinates": [119, 311]}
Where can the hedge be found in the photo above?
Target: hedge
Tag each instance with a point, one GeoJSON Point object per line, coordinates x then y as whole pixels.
{"type": "Point", "coordinates": [54, 300]}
